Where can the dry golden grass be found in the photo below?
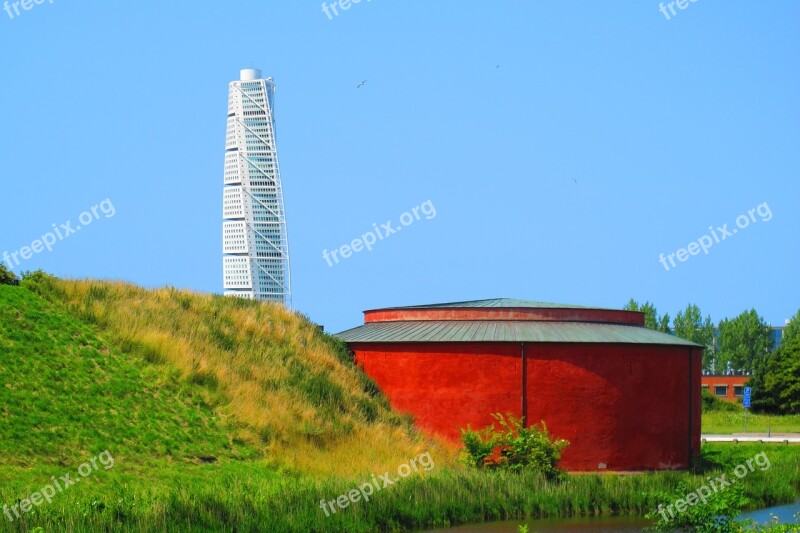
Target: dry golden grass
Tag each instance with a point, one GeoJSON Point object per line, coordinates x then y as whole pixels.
{"type": "Point", "coordinates": [280, 384]}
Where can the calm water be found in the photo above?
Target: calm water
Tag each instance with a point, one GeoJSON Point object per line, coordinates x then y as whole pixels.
{"type": "Point", "coordinates": [784, 512]}
{"type": "Point", "coordinates": [609, 524]}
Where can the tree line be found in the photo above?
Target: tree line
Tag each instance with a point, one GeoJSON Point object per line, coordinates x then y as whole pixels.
{"type": "Point", "coordinates": [746, 342]}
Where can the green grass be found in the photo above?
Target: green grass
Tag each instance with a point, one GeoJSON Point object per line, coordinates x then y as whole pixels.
{"type": "Point", "coordinates": [229, 415]}
{"type": "Point", "coordinates": [65, 396]}
{"type": "Point", "coordinates": [726, 422]}
{"type": "Point", "coordinates": [245, 496]}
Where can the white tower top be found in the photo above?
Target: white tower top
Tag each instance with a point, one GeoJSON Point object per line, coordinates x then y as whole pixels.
{"type": "Point", "coordinates": [249, 74]}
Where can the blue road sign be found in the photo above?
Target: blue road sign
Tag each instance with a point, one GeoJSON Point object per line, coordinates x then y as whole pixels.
{"type": "Point", "coordinates": [747, 392]}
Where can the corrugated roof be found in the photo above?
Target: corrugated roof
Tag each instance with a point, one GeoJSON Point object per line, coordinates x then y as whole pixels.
{"type": "Point", "coordinates": [498, 302]}
{"type": "Point", "coordinates": [507, 331]}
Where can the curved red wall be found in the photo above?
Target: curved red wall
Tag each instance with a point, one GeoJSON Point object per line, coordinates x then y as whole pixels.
{"type": "Point", "coordinates": [621, 406]}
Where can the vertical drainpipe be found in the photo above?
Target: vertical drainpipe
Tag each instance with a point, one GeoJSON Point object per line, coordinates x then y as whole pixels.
{"type": "Point", "coordinates": [524, 410]}
{"type": "Point", "coordinates": [691, 410]}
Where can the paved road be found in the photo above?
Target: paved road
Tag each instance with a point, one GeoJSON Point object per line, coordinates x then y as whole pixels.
{"type": "Point", "coordinates": [754, 437]}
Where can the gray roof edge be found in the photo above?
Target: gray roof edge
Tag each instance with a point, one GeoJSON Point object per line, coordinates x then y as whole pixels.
{"type": "Point", "coordinates": [653, 337]}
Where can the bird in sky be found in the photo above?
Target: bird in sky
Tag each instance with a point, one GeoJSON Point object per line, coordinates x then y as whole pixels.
{"type": "Point", "coordinates": [360, 85]}
{"type": "Point", "coordinates": [498, 66]}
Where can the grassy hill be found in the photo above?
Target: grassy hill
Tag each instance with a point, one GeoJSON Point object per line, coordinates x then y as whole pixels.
{"type": "Point", "coordinates": [65, 395]}
{"type": "Point", "coordinates": [92, 365]}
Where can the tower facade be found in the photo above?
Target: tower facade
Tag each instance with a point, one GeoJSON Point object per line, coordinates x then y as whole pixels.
{"type": "Point", "coordinates": [255, 244]}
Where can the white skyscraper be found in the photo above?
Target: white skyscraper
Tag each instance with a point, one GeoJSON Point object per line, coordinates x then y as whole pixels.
{"type": "Point", "coordinates": [255, 246]}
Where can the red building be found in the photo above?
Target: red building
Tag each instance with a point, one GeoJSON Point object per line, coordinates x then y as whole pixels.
{"type": "Point", "coordinates": [626, 397]}
{"type": "Point", "coordinates": [730, 388]}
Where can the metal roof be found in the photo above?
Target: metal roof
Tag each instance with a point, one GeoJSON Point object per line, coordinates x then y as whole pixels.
{"type": "Point", "coordinates": [507, 331]}
{"type": "Point", "coordinates": [497, 302]}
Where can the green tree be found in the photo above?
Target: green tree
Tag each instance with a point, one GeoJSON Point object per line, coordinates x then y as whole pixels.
{"type": "Point", "coordinates": [792, 329]}
{"type": "Point", "coordinates": [744, 341]}
{"type": "Point", "coordinates": [776, 380]}
{"type": "Point", "coordinates": [689, 325]}
{"type": "Point", "coordinates": [651, 318]}
{"type": "Point", "coordinates": [7, 277]}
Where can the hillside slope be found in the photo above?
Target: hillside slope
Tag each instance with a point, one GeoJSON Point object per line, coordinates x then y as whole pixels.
{"type": "Point", "coordinates": [65, 396]}
{"type": "Point", "coordinates": [91, 365]}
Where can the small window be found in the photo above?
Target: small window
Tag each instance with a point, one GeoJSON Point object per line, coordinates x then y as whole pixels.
{"type": "Point", "coordinates": [738, 390]}
{"type": "Point", "coordinates": [705, 387]}
{"type": "Point", "coordinates": [721, 390]}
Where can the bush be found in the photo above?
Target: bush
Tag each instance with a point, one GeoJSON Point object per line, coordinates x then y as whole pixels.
{"type": "Point", "coordinates": [39, 282]}
{"type": "Point", "coordinates": [714, 515]}
{"type": "Point", "coordinates": [7, 277]}
{"type": "Point", "coordinates": [712, 403]}
{"type": "Point", "coordinates": [514, 447]}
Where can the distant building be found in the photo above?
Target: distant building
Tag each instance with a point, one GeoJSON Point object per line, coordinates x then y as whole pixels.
{"type": "Point", "coordinates": [725, 387]}
{"type": "Point", "coordinates": [777, 336]}
{"type": "Point", "coordinates": [626, 397]}
{"type": "Point", "coordinates": [255, 244]}
{"type": "Point", "coordinates": [728, 383]}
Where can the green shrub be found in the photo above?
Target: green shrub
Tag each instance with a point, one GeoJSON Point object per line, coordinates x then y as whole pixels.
{"type": "Point", "coordinates": [478, 446]}
{"type": "Point", "coordinates": [7, 277]}
{"type": "Point", "coordinates": [513, 447]}
{"type": "Point", "coordinates": [716, 515]}
{"type": "Point", "coordinates": [38, 281]}
{"type": "Point", "coordinates": [712, 403]}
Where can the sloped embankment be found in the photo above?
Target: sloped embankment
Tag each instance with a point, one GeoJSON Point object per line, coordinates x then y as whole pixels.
{"type": "Point", "coordinates": [191, 376]}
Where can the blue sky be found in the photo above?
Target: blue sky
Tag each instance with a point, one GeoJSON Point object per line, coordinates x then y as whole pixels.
{"type": "Point", "coordinates": [607, 136]}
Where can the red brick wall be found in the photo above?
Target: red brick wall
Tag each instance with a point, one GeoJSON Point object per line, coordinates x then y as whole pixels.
{"type": "Point", "coordinates": [447, 386]}
{"type": "Point", "coordinates": [627, 407]}
{"type": "Point", "coordinates": [730, 381]}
